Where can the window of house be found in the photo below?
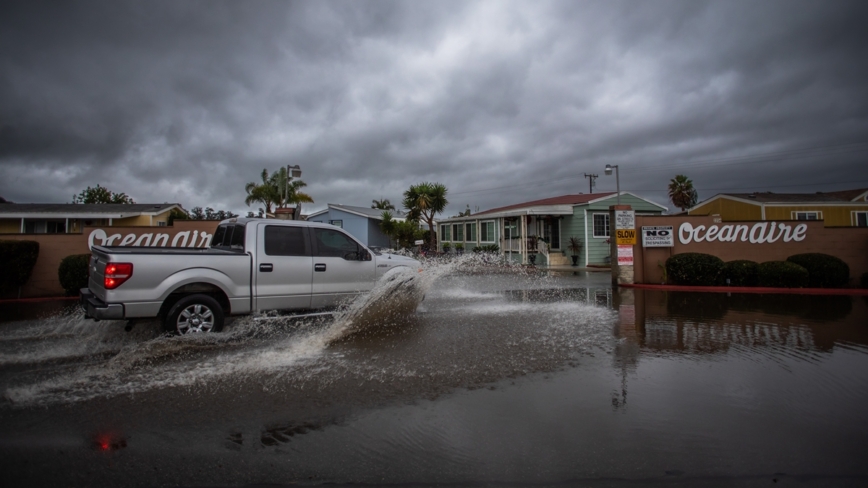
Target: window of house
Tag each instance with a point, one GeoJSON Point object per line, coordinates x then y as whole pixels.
{"type": "Point", "coordinates": [601, 225]}
{"type": "Point", "coordinates": [486, 231]}
{"type": "Point", "coordinates": [470, 231]}
{"type": "Point", "coordinates": [860, 219]}
{"type": "Point", "coordinates": [458, 232]}
{"type": "Point", "coordinates": [445, 232]}
{"type": "Point", "coordinates": [807, 215]}
{"type": "Point", "coordinates": [161, 224]}
{"type": "Point", "coordinates": [337, 223]}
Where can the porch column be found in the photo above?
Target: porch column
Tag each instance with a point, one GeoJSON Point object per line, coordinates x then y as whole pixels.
{"type": "Point", "coordinates": [22, 225]}
{"type": "Point", "coordinates": [66, 226]}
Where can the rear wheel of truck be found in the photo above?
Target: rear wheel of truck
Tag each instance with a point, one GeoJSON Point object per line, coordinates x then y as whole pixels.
{"type": "Point", "coordinates": [195, 314]}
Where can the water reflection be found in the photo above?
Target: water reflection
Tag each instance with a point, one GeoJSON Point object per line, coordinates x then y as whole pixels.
{"type": "Point", "coordinates": [700, 323]}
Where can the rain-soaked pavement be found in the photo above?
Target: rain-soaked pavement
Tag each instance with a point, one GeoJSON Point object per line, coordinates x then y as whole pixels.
{"type": "Point", "coordinates": [501, 377]}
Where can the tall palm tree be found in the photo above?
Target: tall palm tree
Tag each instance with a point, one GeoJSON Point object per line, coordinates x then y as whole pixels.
{"type": "Point", "coordinates": [681, 192]}
{"type": "Point", "coordinates": [294, 196]}
{"type": "Point", "coordinates": [264, 193]}
{"type": "Point", "coordinates": [384, 204]}
{"type": "Point", "coordinates": [423, 202]}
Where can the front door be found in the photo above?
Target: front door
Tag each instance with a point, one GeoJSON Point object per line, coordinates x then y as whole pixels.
{"type": "Point", "coordinates": [342, 268]}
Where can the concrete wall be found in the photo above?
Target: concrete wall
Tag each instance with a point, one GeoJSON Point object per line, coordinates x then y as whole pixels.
{"type": "Point", "coordinates": [54, 247]}
{"type": "Point", "coordinates": [847, 243]}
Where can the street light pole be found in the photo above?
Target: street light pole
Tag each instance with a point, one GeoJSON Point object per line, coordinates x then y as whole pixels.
{"type": "Point", "coordinates": [617, 179]}
{"type": "Point", "coordinates": [291, 172]}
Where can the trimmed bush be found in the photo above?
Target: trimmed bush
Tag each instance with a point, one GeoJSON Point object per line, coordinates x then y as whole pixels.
{"type": "Point", "coordinates": [782, 274]}
{"type": "Point", "coordinates": [72, 273]}
{"type": "Point", "coordinates": [740, 273]}
{"type": "Point", "coordinates": [824, 271]}
{"type": "Point", "coordinates": [694, 269]}
{"type": "Point", "coordinates": [17, 259]}
{"type": "Point", "coordinates": [487, 248]}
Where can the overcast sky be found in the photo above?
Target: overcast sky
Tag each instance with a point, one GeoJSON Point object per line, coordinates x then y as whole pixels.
{"type": "Point", "coordinates": [502, 102]}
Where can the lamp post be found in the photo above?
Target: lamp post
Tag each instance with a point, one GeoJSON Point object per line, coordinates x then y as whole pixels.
{"type": "Point", "coordinates": [617, 179]}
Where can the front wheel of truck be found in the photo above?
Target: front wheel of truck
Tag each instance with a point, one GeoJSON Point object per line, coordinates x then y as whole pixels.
{"type": "Point", "coordinates": [195, 314]}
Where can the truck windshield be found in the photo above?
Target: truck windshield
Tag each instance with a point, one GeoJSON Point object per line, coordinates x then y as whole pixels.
{"type": "Point", "coordinates": [229, 237]}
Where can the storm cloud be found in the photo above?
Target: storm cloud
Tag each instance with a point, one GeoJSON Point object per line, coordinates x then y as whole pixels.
{"type": "Point", "coordinates": [500, 101]}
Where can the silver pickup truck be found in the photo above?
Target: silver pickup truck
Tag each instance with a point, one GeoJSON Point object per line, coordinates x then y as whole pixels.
{"type": "Point", "coordinates": [252, 265]}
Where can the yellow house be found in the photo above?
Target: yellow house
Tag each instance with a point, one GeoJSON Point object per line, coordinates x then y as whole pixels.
{"type": "Point", "coordinates": [848, 208]}
{"type": "Point", "coordinates": [60, 218]}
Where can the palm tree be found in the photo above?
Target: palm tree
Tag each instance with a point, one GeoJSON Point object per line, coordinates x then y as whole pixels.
{"type": "Point", "coordinates": [265, 193]}
{"type": "Point", "coordinates": [384, 204]}
{"type": "Point", "coordinates": [423, 202]}
{"type": "Point", "coordinates": [681, 192]}
{"type": "Point", "coordinates": [296, 197]}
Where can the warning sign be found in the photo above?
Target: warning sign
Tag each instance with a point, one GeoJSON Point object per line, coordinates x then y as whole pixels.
{"type": "Point", "coordinates": [625, 219]}
{"type": "Point", "coordinates": [658, 236]}
{"type": "Point", "coordinates": [625, 236]}
{"type": "Point", "coordinates": [625, 255]}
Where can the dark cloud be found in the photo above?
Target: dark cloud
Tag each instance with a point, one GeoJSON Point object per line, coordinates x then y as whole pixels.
{"type": "Point", "coordinates": [500, 101]}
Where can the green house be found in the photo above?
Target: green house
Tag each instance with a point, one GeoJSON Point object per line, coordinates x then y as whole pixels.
{"type": "Point", "coordinates": [540, 230]}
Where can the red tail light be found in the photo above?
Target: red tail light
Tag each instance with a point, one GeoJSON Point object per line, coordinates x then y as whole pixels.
{"type": "Point", "coordinates": [116, 274]}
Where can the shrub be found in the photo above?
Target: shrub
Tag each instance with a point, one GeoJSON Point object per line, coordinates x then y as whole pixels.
{"type": "Point", "coordinates": [17, 259]}
{"type": "Point", "coordinates": [72, 273]}
{"type": "Point", "coordinates": [824, 271]}
{"type": "Point", "coordinates": [487, 248]}
{"type": "Point", "coordinates": [693, 268]}
{"type": "Point", "coordinates": [740, 273]}
{"type": "Point", "coordinates": [782, 274]}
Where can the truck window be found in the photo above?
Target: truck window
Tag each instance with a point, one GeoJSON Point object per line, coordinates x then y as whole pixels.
{"type": "Point", "coordinates": [331, 243]}
{"type": "Point", "coordinates": [229, 237]}
{"type": "Point", "coordinates": [286, 241]}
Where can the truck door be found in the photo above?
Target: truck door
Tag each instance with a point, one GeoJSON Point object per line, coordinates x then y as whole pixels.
{"type": "Point", "coordinates": [284, 268]}
{"type": "Point", "coordinates": [342, 267]}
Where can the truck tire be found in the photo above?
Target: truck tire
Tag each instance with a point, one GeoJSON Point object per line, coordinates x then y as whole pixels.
{"type": "Point", "coordinates": [195, 314]}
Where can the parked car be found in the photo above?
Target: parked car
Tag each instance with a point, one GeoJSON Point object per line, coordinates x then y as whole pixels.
{"type": "Point", "coordinates": [252, 265]}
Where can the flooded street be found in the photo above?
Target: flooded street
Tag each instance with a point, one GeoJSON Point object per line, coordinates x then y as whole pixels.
{"type": "Point", "coordinates": [501, 376]}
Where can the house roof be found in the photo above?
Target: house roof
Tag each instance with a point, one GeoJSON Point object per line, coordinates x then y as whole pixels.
{"type": "Point", "coordinates": [371, 213]}
{"type": "Point", "coordinates": [83, 210]}
{"type": "Point", "coordinates": [561, 200]}
{"type": "Point", "coordinates": [843, 196]}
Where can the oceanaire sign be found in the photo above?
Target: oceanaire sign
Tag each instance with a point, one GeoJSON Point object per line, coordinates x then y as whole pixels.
{"type": "Point", "coordinates": [182, 239]}
{"type": "Point", "coordinates": [759, 233]}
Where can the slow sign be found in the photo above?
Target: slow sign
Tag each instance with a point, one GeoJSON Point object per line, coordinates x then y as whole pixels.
{"type": "Point", "coordinates": [625, 236]}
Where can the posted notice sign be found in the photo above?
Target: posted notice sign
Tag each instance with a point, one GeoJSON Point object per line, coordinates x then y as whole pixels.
{"type": "Point", "coordinates": [658, 236]}
{"type": "Point", "coordinates": [625, 255]}
{"type": "Point", "coordinates": [625, 219]}
{"type": "Point", "coordinates": [625, 236]}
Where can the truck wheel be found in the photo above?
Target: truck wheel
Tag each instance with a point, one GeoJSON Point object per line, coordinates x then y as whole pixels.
{"type": "Point", "coordinates": [195, 314]}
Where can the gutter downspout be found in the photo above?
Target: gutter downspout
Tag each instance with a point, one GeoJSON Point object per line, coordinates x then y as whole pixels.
{"type": "Point", "coordinates": [586, 237]}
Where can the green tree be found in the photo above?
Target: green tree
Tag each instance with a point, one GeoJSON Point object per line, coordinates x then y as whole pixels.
{"type": "Point", "coordinates": [273, 190]}
{"type": "Point", "coordinates": [423, 202]}
{"type": "Point", "coordinates": [384, 204]}
{"type": "Point", "coordinates": [404, 232]}
{"type": "Point", "coordinates": [681, 192]}
{"type": "Point", "coordinates": [101, 194]}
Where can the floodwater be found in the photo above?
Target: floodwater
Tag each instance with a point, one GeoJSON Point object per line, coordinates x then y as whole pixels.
{"type": "Point", "coordinates": [500, 377]}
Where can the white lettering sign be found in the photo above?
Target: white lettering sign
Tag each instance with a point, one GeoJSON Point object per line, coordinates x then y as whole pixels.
{"type": "Point", "coordinates": [625, 219]}
{"type": "Point", "coordinates": [98, 237]}
{"type": "Point", "coordinates": [658, 236]}
{"type": "Point", "coordinates": [759, 233]}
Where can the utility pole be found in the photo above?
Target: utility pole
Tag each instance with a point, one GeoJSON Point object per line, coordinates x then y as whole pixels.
{"type": "Point", "coordinates": [591, 182]}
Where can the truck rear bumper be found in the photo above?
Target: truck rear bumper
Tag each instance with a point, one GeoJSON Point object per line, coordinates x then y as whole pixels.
{"type": "Point", "coordinates": [95, 308]}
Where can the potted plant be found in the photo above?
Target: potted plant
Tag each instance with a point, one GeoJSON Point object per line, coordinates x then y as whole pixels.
{"type": "Point", "coordinates": [575, 248]}
{"type": "Point", "coordinates": [459, 248]}
{"type": "Point", "coordinates": [531, 249]}
{"type": "Point", "coordinates": [446, 247]}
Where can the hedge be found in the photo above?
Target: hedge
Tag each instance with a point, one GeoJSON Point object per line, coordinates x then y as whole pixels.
{"type": "Point", "coordinates": [72, 273]}
{"type": "Point", "coordinates": [17, 259]}
{"type": "Point", "coordinates": [693, 268]}
{"type": "Point", "coordinates": [739, 273]}
{"type": "Point", "coordinates": [782, 274]}
{"type": "Point", "coordinates": [824, 271]}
